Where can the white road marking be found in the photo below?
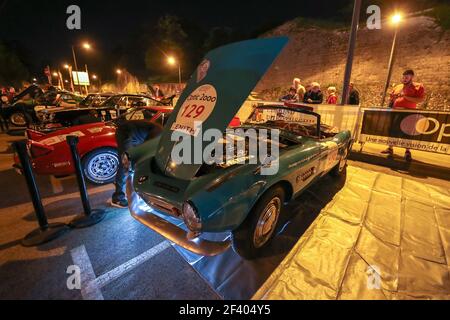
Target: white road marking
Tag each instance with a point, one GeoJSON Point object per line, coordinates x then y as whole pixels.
{"type": "Point", "coordinates": [88, 289]}
{"type": "Point", "coordinates": [116, 273]}
{"type": "Point", "coordinates": [91, 285]}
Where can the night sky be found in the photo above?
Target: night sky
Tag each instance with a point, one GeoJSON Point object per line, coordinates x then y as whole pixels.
{"type": "Point", "coordinates": [37, 29]}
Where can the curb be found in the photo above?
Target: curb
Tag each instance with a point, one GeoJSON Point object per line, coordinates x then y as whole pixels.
{"type": "Point", "coordinates": [415, 168]}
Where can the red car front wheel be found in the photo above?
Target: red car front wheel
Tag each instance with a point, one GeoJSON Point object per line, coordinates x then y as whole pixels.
{"type": "Point", "coordinates": [101, 165]}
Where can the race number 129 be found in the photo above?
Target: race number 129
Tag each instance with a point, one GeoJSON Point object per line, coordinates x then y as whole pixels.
{"type": "Point", "coordinates": [193, 111]}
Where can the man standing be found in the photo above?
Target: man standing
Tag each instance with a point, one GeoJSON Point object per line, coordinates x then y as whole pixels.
{"type": "Point", "coordinates": [315, 95]}
{"type": "Point", "coordinates": [406, 96]}
{"type": "Point", "coordinates": [297, 84]}
{"type": "Point", "coordinates": [353, 98]}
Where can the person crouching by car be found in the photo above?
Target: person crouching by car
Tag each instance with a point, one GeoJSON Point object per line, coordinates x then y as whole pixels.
{"type": "Point", "coordinates": [406, 96]}
{"type": "Point", "coordinates": [315, 95]}
{"type": "Point", "coordinates": [332, 95]}
{"type": "Point", "coordinates": [130, 133]}
{"type": "Point", "coordinates": [291, 97]}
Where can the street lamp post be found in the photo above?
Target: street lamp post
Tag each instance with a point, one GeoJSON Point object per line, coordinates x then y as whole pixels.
{"type": "Point", "coordinates": [76, 65]}
{"type": "Point", "coordinates": [351, 52]}
{"type": "Point", "coordinates": [98, 80]}
{"type": "Point", "coordinates": [85, 46]}
{"type": "Point", "coordinates": [69, 70]}
{"type": "Point", "coordinates": [87, 72]}
{"type": "Point", "coordinates": [396, 19]}
{"type": "Point", "coordinates": [55, 74]}
{"type": "Point", "coordinates": [172, 61]}
{"type": "Point", "coordinates": [61, 79]}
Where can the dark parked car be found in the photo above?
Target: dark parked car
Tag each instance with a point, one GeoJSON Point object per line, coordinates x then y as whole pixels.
{"type": "Point", "coordinates": [25, 106]}
{"type": "Point", "coordinates": [95, 99]}
{"type": "Point", "coordinates": [110, 109]}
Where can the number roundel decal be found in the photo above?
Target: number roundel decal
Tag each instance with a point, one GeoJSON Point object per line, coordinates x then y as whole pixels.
{"type": "Point", "coordinates": [196, 110]}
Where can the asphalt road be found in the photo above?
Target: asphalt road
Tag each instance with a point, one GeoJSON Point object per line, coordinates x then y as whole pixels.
{"type": "Point", "coordinates": [121, 259]}
{"type": "Point", "coordinates": [41, 273]}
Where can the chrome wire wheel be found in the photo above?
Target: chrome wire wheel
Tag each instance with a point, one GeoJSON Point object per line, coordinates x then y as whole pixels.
{"type": "Point", "coordinates": [267, 223]}
{"type": "Point", "coordinates": [103, 167]}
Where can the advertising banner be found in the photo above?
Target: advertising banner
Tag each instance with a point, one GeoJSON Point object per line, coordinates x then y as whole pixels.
{"type": "Point", "coordinates": [80, 78]}
{"type": "Point", "coordinates": [417, 130]}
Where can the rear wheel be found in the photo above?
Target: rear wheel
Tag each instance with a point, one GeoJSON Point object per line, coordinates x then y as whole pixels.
{"type": "Point", "coordinates": [19, 119]}
{"type": "Point", "coordinates": [101, 165]}
{"type": "Point", "coordinates": [341, 168]}
{"type": "Point", "coordinates": [250, 239]}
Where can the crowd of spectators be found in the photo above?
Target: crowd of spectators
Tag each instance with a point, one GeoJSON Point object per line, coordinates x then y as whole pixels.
{"type": "Point", "coordinates": [405, 96]}
{"type": "Point", "coordinates": [312, 94]}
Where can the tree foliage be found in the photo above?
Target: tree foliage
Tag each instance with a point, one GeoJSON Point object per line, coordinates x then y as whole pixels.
{"type": "Point", "coordinates": [12, 71]}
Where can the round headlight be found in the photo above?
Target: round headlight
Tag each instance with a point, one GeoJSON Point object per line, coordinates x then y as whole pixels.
{"type": "Point", "coordinates": [191, 217]}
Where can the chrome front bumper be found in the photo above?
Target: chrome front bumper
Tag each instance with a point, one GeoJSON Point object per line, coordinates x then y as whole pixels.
{"type": "Point", "coordinates": [170, 231]}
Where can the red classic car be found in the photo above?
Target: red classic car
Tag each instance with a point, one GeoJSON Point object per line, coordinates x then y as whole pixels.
{"type": "Point", "coordinates": [50, 154]}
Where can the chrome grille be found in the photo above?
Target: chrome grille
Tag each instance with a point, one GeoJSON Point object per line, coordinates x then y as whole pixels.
{"type": "Point", "coordinates": [161, 205]}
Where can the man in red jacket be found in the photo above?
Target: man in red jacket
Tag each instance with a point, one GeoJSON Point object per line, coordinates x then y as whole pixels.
{"type": "Point", "coordinates": [406, 96]}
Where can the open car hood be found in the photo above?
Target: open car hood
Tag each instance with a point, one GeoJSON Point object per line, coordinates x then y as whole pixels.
{"type": "Point", "coordinates": [214, 95]}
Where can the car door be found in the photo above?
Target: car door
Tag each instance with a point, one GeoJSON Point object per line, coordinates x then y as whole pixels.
{"type": "Point", "coordinates": [329, 157]}
{"type": "Point", "coordinates": [306, 165]}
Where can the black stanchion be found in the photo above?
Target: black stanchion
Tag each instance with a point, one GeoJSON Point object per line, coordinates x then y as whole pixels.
{"type": "Point", "coordinates": [91, 217]}
{"type": "Point", "coordinates": [46, 231]}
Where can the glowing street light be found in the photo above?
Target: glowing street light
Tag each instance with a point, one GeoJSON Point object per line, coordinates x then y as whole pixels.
{"type": "Point", "coordinates": [69, 70]}
{"type": "Point", "coordinates": [173, 62]}
{"type": "Point", "coordinates": [395, 19]}
{"type": "Point", "coordinates": [119, 72]}
{"type": "Point", "coordinates": [97, 79]}
{"type": "Point", "coordinates": [55, 74]}
{"type": "Point", "coordinates": [85, 46]}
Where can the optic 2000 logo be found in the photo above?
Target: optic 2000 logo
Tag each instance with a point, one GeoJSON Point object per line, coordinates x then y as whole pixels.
{"type": "Point", "coordinates": [416, 125]}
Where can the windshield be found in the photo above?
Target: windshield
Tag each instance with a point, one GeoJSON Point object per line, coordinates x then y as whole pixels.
{"type": "Point", "coordinates": [130, 101]}
{"type": "Point", "coordinates": [111, 102]}
{"type": "Point", "coordinates": [92, 100]}
{"type": "Point", "coordinates": [297, 122]}
{"type": "Point", "coordinates": [294, 121]}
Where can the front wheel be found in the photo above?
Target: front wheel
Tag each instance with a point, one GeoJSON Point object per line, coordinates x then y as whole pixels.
{"type": "Point", "coordinates": [250, 239]}
{"type": "Point", "coordinates": [100, 166]}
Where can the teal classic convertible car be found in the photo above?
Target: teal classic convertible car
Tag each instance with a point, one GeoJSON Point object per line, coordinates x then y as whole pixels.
{"type": "Point", "coordinates": [187, 202]}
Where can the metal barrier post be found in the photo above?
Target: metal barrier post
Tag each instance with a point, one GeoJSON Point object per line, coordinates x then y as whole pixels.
{"type": "Point", "coordinates": [91, 217]}
{"type": "Point", "coordinates": [46, 231]}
